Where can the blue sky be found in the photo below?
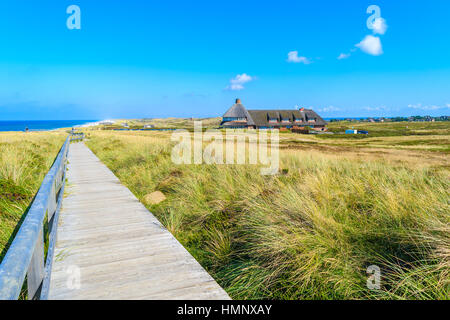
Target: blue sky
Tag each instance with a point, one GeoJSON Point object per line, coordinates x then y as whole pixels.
{"type": "Point", "coordinates": [135, 58]}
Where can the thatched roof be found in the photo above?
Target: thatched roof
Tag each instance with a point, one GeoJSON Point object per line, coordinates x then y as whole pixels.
{"type": "Point", "coordinates": [260, 118]}
{"type": "Point", "coordinates": [236, 111]}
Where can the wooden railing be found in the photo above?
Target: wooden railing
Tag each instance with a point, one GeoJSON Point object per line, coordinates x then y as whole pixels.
{"type": "Point", "coordinates": [25, 256]}
{"type": "Point", "coordinates": [76, 136]}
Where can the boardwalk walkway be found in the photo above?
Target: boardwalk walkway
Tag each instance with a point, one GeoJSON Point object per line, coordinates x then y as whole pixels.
{"type": "Point", "coordinates": [109, 246]}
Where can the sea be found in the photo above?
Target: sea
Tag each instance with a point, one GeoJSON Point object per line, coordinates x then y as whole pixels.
{"type": "Point", "coordinates": [41, 125]}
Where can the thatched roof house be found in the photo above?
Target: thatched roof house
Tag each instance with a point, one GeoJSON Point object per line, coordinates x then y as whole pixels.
{"type": "Point", "coordinates": [239, 117]}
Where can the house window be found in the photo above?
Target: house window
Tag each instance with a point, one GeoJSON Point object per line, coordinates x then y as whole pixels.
{"type": "Point", "coordinates": [234, 119]}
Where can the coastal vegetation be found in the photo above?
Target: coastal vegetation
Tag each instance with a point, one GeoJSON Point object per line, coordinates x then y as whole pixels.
{"type": "Point", "coordinates": [163, 123]}
{"type": "Point", "coordinates": [337, 206]}
{"type": "Point", "coordinates": [388, 129]}
{"type": "Point", "coordinates": [25, 158]}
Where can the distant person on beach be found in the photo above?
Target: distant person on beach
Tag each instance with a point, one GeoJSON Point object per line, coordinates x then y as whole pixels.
{"type": "Point", "coordinates": [26, 129]}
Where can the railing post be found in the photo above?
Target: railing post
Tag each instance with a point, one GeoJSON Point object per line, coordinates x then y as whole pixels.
{"type": "Point", "coordinates": [53, 224]}
{"type": "Point", "coordinates": [35, 273]}
{"type": "Point", "coordinates": [52, 201]}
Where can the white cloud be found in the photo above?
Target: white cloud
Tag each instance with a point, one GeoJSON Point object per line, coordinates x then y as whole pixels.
{"type": "Point", "coordinates": [293, 57]}
{"type": "Point", "coordinates": [379, 26]}
{"type": "Point", "coordinates": [380, 108]}
{"type": "Point", "coordinates": [419, 106]}
{"type": "Point", "coordinates": [237, 83]}
{"type": "Point", "coordinates": [344, 56]}
{"type": "Point", "coordinates": [329, 109]}
{"type": "Point", "coordinates": [371, 45]}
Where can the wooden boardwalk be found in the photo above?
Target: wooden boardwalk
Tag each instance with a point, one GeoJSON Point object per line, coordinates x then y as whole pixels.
{"type": "Point", "coordinates": [109, 246]}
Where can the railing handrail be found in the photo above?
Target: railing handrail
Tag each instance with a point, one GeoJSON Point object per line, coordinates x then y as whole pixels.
{"type": "Point", "coordinates": [26, 254]}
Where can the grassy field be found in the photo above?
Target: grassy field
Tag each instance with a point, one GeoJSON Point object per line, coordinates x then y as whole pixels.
{"type": "Point", "coordinates": [392, 128]}
{"type": "Point", "coordinates": [163, 123]}
{"type": "Point", "coordinates": [25, 158]}
{"type": "Point", "coordinates": [338, 205]}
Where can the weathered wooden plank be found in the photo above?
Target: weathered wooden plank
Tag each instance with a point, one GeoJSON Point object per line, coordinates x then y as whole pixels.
{"type": "Point", "coordinates": [117, 248]}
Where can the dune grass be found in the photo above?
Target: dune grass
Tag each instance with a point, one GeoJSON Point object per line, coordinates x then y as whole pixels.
{"type": "Point", "coordinates": [388, 129]}
{"type": "Point", "coordinates": [25, 158]}
{"type": "Point", "coordinates": [308, 233]}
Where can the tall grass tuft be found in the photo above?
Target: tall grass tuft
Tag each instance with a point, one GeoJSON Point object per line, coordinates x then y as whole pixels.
{"type": "Point", "coordinates": [25, 158]}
